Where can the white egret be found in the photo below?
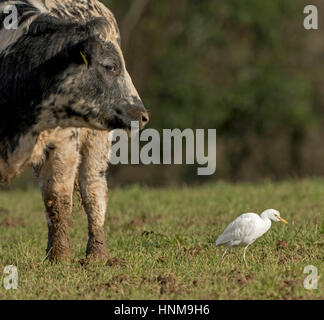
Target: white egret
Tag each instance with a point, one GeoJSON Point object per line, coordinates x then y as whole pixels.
{"type": "Point", "coordinates": [245, 229]}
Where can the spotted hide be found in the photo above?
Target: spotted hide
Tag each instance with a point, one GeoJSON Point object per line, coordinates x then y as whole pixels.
{"type": "Point", "coordinates": [63, 86]}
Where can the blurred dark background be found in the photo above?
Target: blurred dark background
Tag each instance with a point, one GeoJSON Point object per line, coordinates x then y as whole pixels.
{"type": "Point", "coordinates": [246, 68]}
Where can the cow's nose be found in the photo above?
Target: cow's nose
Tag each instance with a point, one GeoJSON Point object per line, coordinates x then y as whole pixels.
{"type": "Point", "coordinates": [145, 118]}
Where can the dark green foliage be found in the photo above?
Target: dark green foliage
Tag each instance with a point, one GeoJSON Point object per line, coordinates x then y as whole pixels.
{"type": "Point", "coordinates": [246, 68]}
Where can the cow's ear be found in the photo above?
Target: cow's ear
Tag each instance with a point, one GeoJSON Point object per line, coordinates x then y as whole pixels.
{"type": "Point", "coordinates": [47, 25]}
{"type": "Point", "coordinates": [69, 40]}
{"type": "Point", "coordinates": [78, 53]}
{"type": "Point", "coordinates": [65, 40]}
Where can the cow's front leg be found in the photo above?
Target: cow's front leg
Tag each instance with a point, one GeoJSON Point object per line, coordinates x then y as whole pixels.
{"type": "Point", "coordinates": [56, 177]}
{"type": "Point", "coordinates": [58, 208]}
{"type": "Point", "coordinates": [94, 191]}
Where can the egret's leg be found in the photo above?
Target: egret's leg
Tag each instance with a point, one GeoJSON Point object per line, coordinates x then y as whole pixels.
{"type": "Point", "coordinates": [244, 255]}
{"type": "Point", "coordinates": [223, 255]}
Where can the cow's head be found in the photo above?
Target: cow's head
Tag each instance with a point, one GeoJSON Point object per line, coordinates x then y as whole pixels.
{"type": "Point", "coordinates": [102, 88]}
{"type": "Point", "coordinates": [82, 76]}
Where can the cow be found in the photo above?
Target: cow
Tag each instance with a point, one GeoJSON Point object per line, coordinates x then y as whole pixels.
{"type": "Point", "coordinates": [63, 87]}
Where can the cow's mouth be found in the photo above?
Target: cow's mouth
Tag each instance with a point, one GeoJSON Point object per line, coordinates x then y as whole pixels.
{"type": "Point", "coordinates": [118, 123]}
{"type": "Point", "coordinates": [123, 120]}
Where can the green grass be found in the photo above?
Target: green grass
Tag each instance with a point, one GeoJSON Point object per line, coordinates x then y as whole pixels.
{"type": "Point", "coordinates": [164, 244]}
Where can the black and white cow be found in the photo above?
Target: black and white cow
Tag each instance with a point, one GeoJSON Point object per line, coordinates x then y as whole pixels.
{"type": "Point", "coordinates": [62, 69]}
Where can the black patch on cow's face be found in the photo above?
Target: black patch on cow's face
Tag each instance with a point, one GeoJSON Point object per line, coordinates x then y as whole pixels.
{"type": "Point", "coordinates": [71, 112]}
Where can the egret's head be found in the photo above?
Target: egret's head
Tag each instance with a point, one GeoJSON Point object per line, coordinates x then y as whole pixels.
{"type": "Point", "coordinates": [273, 215]}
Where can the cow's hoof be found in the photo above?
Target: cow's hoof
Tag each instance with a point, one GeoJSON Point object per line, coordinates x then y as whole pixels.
{"type": "Point", "coordinates": [55, 257]}
{"type": "Point", "coordinates": [98, 255]}
{"type": "Point", "coordinates": [97, 250]}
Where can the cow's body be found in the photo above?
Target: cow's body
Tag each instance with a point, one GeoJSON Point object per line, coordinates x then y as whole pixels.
{"type": "Point", "coordinates": [61, 70]}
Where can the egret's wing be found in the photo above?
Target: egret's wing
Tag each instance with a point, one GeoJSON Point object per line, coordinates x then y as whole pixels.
{"type": "Point", "coordinates": [241, 227]}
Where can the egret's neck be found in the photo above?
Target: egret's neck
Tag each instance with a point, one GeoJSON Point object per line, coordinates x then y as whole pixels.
{"type": "Point", "coordinates": [265, 218]}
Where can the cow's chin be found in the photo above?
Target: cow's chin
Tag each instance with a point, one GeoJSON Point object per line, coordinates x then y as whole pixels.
{"type": "Point", "coordinates": [117, 122]}
{"type": "Point", "coordinates": [121, 123]}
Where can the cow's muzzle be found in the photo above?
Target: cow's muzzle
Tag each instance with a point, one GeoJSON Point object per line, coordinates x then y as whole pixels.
{"type": "Point", "coordinates": [125, 114]}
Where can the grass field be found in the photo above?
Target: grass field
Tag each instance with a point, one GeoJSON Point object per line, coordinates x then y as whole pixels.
{"type": "Point", "coordinates": [162, 245]}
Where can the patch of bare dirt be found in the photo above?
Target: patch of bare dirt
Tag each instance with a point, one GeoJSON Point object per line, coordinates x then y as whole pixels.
{"type": "Point", "coordinates": [192, 251]}
{"type": "Point", "coordinates": [118, 284]}
{"type": "Point", "coordinates": [168, 284]}
{"type": "Point", "coordinates": [282, 245]}
{"type": "Point", "coordinates": [113, 262]}
{"type": "Point", "coordinates": [287, 288]}
{"type": "Point", "coordinates": [284, 257]}
{"type": "Point", "coordinates": [12, 222]}
{"type": "Point", "coordinates": [241, 278]}
{"type": "Point", "coordinates": [290, 283]}
{"type": "Point", "coordinates": [119, 279]}
{"type": "Point", "coordinates": [300, 249]}
{"type": "Point", "coordinates": [84, 262]}
{"type": "Point", "coordinates": [292, 252]}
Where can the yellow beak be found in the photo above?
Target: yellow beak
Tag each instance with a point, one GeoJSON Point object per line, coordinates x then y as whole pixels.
{"type": "Point", "coordinates": [283, 220]}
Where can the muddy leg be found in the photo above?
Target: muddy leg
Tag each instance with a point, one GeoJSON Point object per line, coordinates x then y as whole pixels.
{"type": "Point", "coordinates": [56, 178]}
{"type": "Point", "coordinates": [94, 192]}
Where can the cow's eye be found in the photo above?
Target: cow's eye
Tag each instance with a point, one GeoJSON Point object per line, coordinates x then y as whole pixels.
{"type": "Point", "coordinates": [111, 68]}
